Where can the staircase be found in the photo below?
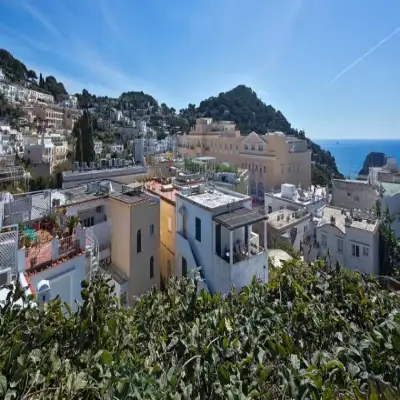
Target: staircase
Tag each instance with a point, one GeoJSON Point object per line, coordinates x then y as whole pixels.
{"type": "Point", "coordinates": [92, 249]}
{"type": "Point", "coordinates": [199, 274]}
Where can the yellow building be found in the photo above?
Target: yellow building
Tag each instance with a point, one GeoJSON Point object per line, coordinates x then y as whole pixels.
{"type": "Point", "coordinates": [167, 194]}
{"type": "Point", "coordinates": [135, 238]}
{"type": "Point", "coordinates": [272, 159]}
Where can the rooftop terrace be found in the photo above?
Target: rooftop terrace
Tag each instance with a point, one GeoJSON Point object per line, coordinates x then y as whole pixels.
{"type": "Point", "coordinates": [355, 219]}
{"type": "Point", "coordinates": [211, 198]}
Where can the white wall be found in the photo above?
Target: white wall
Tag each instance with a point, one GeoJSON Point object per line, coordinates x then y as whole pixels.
{"type": "Point", "coordinates": [201, 251]}
{"type": "Point", "coordinates": [393, 203]}
{"type": "Point", "coordinates": [65, 279]}
{"type": "Point", "coordinates": [366, 264]}
{"type": "Point", "coordinates": [216, 271]}
{"type": "Point", "coordinates": [277, 203]}
{"type": "Point", "coordinates": [354, 195]}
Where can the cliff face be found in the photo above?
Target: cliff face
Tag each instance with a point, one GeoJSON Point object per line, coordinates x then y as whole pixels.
{"type": "Point", "coordinates": [373, 159]}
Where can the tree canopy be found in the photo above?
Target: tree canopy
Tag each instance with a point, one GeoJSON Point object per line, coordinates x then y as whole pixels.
{"type": "Point", "coordinates": [310, 333]}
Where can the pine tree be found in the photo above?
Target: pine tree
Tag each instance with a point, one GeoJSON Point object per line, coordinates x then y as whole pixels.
{"type": "Point", "coordinates": [41, 81]}
{"type": "Point", "coordinates": [78, 142]}
{"type": "Point", "coordinates": [83, 132]}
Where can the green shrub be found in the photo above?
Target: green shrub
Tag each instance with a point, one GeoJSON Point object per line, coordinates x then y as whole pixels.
{"type": "Point", "coordinates": [308, 334]}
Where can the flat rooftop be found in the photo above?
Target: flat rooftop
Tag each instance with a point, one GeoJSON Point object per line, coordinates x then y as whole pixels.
{"type": "Point", "coordinates": [238, 218]}
{"type": "Point", "coordinates": [67, 175]}
{"type": "Point", "coordinates": [132, 198]}
{"type": "Point", "coordinates": [213, 199]}
{"type": "Point", "coordinates": [282, 219]}
{"type": "Point", "coordinates": [324, 218]}
{"type": "Point", "coordinates": [302, 196]}
{"type": "Point", "coordinates": [390, 188]}
{"type": "Point", "coordinates": [165, 191]}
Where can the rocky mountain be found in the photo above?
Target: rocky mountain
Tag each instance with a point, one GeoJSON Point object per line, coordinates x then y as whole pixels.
{"type": "Point", "coordinates": [373, 159]}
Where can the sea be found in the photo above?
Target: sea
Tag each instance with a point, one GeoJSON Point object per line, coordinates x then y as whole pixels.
{"type": "Point", "coordinates": [350, 153]}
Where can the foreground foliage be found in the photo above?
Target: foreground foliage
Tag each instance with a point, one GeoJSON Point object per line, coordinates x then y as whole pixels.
{"type": "Point", "coordinates": [308, 334]}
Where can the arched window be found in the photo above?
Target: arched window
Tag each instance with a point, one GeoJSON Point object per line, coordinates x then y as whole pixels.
{"type": "Point", "coordinates": [169, 270]}
{"type": "Point", "coordinates": [151, 267]}
{"type": "Point", "coordinates": [139, 241]}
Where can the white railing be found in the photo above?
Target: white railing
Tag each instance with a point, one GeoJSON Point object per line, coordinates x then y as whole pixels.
{"type": "Point", "coordinates": [92, 246]}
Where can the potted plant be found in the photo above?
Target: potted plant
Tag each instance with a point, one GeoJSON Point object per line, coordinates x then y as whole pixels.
{"type": "Point", "coordinates": [72, 222]}
{"type": "Point", "coordinates": [27, 242]}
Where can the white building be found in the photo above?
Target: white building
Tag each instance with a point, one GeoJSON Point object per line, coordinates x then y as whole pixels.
{"type": "Point", "coordinates": [18, 93]}
{"type": "Point", "coordinates": [350, 193]}
{"type": "Point", "coordinates": [45, 152]}
{"type": "Point", "coordinates": [292, 198]}
{"type": "Point", "coordinates": [351, 239]}
{"type": "Point", "coordinates": [115, 148]}
{"type": "Point", "coordinates": [2, 76]}
{"type": "Point", "coordinates": [288, 227]}
{"type": "Point", "coordinates": [141, 125]}
{"type": "Point", "coordinates": [55, 268]}
{"type": "Point", "coordinates": [214, 232]}
{"type": "Point", "coordinates": [98, 147]}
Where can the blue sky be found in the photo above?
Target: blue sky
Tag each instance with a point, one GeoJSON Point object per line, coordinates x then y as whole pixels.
{"type": "Point", "coordinates": [331, 66]}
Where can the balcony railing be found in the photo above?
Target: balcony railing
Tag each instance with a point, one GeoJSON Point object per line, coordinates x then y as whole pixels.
{"type": "Point", "coordinates": [239, 256]}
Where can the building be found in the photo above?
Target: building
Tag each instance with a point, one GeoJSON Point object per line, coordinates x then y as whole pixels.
{"type": "Point", "coordinates": [214, 233]}
{"type": "Point", "coordinates": [115, 148]}
{"type": "Point", "coordinates": [350, 193]}
{"type": "Point", "coordinates": [53, 261]}
{"type": "Point", "coordinates": [286, 227]}
{"type": "Point", "coordinates": [349, 238]}
{"type": "Point", "coordinates": [135, 238]}
{"type": "Point", "coordinates": [45, 153]}
{"type": "Point", "coordinates": [53, 115]}
{"type": "Point", "coordinates": [272, 159]}
{"type": "Point", "coordinates": [120, 174]}
{"type": "Point", "coordinates": [16, 93]}
{"type": "Point", "coordinates": [167, 194]}
{"type": "Point", "coordinates": [292, 198]}
{"type": "Point", "coordinates": [98, 147]}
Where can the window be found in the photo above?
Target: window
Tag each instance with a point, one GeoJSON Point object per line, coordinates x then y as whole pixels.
{"type": "Point", "coordinates": [169, 222]}
{"type": "Point", "coordinates": [184, 267]}
{"type": "Point", "coordinates": [139, 241]}
{"type": "Point", "coordinates": [265, 169]}
{"type": "Point", "coordinates": [230, 146]}
{"type": "Point", "coordinates": [198, 229]}
{"type": "Point", "coordinates": [88, 222]}
{"type": "Point", "coordinates": [246, 147]}
{"type": "Point", "coordinates": [324, 240]}
{"type": "Point", "coordinates": [340, 245]}
{"type": "Point", "coordinates": [305, 228]}
{"type": "Point", "coordinates": [253, 146]}
{"type": "Point", "coordinates": [151, 229]}
{"type": "Point", "coordinates": [355, 250]}
{"type": "Point", "coordinates": [365, 251]}
{"type": "Point", "coordinates": [151, 267]}
{"type": "Point", "coordinates": [260, 147]}
{"type": "Point", "coordinates": [269, 209]}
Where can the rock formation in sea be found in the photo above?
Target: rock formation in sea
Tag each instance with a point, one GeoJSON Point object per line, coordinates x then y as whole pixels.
{"type": "Point", "coordinates": [373, 159]}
